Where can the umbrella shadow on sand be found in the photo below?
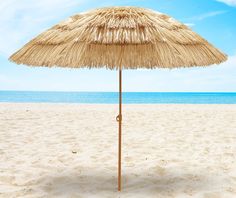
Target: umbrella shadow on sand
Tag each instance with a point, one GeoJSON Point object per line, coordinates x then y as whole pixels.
{"type": "Point", "coordinates": [104, 183]}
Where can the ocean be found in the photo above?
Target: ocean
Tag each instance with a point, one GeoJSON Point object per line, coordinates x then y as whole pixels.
{"type": "Point", "coordinates": [112, 97]}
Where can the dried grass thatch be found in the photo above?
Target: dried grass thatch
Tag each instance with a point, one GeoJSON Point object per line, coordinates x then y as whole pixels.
{"type": "Point", "coordinates": [128, 36]}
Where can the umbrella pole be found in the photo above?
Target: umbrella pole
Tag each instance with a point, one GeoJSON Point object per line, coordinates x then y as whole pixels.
{"type": "Point", "coordinates": [120, 120]}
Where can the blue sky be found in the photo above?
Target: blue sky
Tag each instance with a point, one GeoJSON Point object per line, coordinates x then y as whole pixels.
{"type": "Point", "coordinates": [22, 20]}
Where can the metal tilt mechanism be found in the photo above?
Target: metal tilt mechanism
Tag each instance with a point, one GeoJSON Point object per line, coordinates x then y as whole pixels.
{"type": "Point", "coordinates": [119, 119]}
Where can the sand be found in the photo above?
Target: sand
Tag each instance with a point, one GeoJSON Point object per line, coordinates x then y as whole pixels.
{"type": "Point", "coordinates": [70, 150]}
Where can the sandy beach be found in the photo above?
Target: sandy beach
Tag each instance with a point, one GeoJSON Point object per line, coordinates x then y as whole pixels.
{"type": "Point", "coordinates": [70, 150]}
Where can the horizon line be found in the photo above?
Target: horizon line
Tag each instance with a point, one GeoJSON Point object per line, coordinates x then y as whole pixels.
{"type": "Point", "coordinates": [118, 91]}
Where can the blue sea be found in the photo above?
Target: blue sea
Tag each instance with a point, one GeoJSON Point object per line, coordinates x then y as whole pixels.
{"type": "Point", "coordinates": [112, 97]}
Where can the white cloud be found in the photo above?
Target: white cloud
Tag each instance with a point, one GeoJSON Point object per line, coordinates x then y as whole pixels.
{"type": "Point", "coordinates": [228, 2]}
{"type": "Point", "coordinates": [189, 24]}
{"type": "Point", "coordinates": [208, 15]}
{"type": "Point", "coordinates": [218, 78]}
{"type": "Point", "coordinates": [21, 20]}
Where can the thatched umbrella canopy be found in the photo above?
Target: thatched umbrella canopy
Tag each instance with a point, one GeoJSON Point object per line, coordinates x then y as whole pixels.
{"type": "Point", "coordinates": [119, 38]}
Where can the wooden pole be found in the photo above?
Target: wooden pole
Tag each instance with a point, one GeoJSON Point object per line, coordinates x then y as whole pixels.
{"type": "Point", "coordinates": [120, 120]}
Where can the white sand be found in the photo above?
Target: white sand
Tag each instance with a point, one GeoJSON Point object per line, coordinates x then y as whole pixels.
{"type": "Point", "coordinates": [70, 150]}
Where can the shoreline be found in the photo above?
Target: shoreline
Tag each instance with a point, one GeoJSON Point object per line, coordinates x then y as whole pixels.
{"type": "Point", "coordinates": [71, 103]}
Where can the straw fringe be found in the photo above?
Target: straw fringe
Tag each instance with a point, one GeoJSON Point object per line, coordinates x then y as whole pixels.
{"type": "Point", "coordinates": [148, 39]}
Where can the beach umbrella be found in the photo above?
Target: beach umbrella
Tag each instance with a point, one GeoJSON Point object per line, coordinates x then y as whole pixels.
{"type": "Point", "coordinates": [119, 38]}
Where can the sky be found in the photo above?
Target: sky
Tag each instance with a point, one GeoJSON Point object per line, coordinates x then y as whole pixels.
{"type": "Point", "coordinates": [20, 21]}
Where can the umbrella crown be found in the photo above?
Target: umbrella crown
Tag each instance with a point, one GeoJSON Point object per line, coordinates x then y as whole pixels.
{"type": "Point", "coordinates": [130, 37]}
